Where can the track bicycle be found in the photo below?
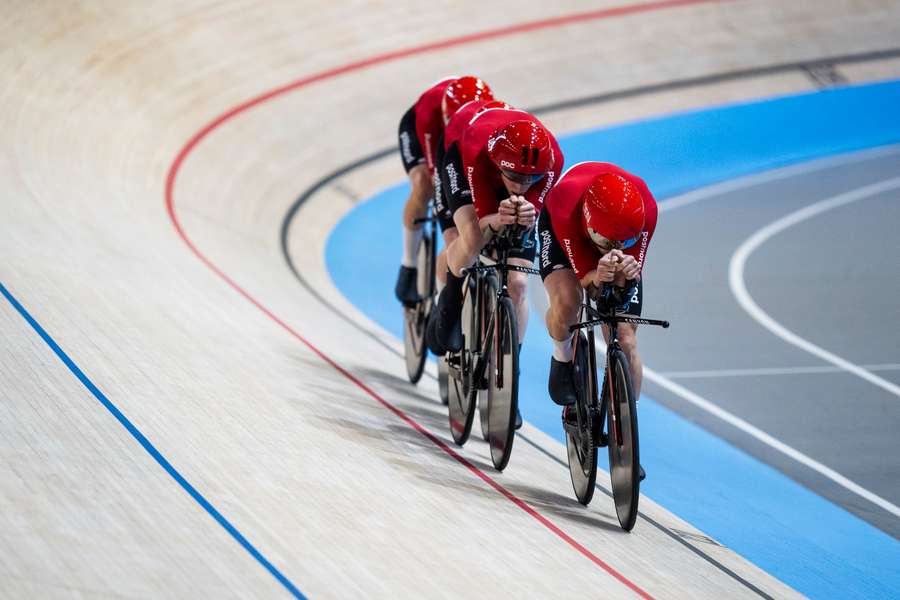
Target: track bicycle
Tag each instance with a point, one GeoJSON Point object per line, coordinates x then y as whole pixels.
{"type": "Point", "coordinates": [487, 366]}
{"type": "Point", "coordinates": [611, 422]}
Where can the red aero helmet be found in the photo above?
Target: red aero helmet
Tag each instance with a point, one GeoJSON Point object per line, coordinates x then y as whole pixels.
{"type": "Point", "coordinates": [523, 147]}
{"type": "Point", "coordinates": [493, 104]}
{"type": "Point", "coordinates": [465, 89]}
{"type": "Point", "coordinates": [612, 207]}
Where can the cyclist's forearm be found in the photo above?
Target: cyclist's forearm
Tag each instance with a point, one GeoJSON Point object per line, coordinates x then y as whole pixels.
{"type": "Point", "coordinates": [589, 280]}
{"type": "Point", "coordinates": [489, 223]}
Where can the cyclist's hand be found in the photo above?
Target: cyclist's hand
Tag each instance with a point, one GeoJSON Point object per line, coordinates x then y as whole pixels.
{"type": "Point", "coordinates": [507, 211]}
{"type": "Point", "coordinates": [606, 268]}
{"type": "Point", "coordinates": [629, 266]}
{"type": "Point", "coordinates": [526, 215]}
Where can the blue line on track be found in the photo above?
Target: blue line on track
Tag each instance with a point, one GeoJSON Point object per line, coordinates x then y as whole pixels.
{"type": "Point", "coordinates": [806, 541]}
{"type": "Point", "coordinates": [150, 448]}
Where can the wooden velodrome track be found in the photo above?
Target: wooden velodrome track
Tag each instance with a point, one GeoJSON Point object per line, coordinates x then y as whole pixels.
{"type": "Point", "coordinates": [179, 417]}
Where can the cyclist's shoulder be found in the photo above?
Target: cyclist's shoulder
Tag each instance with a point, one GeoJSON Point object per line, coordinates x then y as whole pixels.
{"type": "Point", "coordinates": [434, 93]}
{"type": "Point", "coordinates": [427, 108]}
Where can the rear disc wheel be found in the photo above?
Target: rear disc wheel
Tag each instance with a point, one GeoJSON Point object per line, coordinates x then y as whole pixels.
{"type": "Point", "coordinates": [461, 403]}
{"type": "Point", "coordinates": [415, 319]}
{"type": "Point", "coordinates": [580, 445]}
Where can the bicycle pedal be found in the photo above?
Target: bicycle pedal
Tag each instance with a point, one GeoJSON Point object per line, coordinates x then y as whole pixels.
{"type": "Point", "coordinates": [601, 440]}
{"type": "Point", "coordinates": [570, 424]}
{"type": "Point", "coordinates": [569, 428]}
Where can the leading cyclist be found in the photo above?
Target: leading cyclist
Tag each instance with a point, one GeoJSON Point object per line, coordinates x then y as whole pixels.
{"type": "Point", "coordinates": [596, 228]}
{"type": "Point", "coordinates": [418, 135]}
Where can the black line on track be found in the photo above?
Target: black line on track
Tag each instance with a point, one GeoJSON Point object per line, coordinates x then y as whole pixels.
{"type": "Point", "coordinates": [658, 525]}
{"type": "Point", "coordinates": [802, 66]}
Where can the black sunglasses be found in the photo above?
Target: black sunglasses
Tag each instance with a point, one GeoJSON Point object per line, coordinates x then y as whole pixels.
{"type": "Point", "coordinates": [522, 178]}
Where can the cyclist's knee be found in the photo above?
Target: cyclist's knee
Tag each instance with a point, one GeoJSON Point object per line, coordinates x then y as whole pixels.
{"type": "Point", "coordinates": [518, 286]}
{"type": "Point", "coordinates": [468, 230]}
{"type": "Point", "coordinates": [450, 235]}
{"type": "Point", "coordinates": [627, 337]}
{"type": "Point", "coordinates": [420, 183]}
{"type": "Point", "coordinates": [566, 300]}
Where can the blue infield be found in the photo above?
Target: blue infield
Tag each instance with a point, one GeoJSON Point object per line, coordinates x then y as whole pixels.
{"type": "Point", "coordinates": [806, 541]}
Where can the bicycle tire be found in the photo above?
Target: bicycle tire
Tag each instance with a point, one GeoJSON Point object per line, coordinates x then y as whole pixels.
{"type": "Point", "coordinates": [461, 405]}
{"type": "Point", "coordinates": [623, 444]}
{"type": "Point", "coordinates": [581, 447]}
{"type": "Point", "coordinates": [416, 319]}
{"type": "Point", "coordinates": [489, 292]}
{"type": "Point", "coordinates": [503, 384]}
{"type": "Point", "coordinates": [443, 380]}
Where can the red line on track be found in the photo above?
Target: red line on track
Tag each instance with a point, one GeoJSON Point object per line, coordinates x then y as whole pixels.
{"type": "Point", "coordinates": [189, 146]}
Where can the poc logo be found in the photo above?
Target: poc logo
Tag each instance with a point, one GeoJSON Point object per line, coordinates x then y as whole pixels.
{"type": "Point", "coordinates": [507, 165]}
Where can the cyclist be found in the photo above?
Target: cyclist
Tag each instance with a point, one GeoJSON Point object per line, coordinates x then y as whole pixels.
{"type": "Point", "coordinates": [497, 174]}
{"type": "Point", "coordinates": [453, 130]}
{"type": "Point", "coordinates": [604, 217]}
{"type": "Point", "coordinates": [419, 131]}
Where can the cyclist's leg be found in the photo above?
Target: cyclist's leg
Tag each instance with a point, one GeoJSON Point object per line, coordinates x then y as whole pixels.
{"type": "Point", "coordinates": [522, 256]}
{"type": "Point", "coordinates": [415, 207]}
{"type": "Point", "coordinates": [413, 158]}
{"type": "Point", "coordinates": [419, 194]}
{"type": "Point", "coordinates": [565, 295]}
{"type": "Point", "coordinates": [469, 242]}
{"type": "Point", "coordinates": [444, 330]}
{"type": "Point", "coordinates": [448, 229]}
{"type": "Point", "coordinates": [518, 292]}
{"type": "Point", "coordinates": [564, 292]}
{"type": "Point", "coordinates": [449, 235]}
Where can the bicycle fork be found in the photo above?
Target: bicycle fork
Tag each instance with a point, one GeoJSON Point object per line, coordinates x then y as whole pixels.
{"type": "Point", "coordinates": [487, 341]}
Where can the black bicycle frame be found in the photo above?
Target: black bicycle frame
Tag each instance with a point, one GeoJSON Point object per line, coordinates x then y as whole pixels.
{"type": "Point", "coordinates": [606, 401]}
{"type": "Point", "coordinates": [502, 245]}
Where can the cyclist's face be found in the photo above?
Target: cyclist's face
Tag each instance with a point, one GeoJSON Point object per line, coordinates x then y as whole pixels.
{"type": "Point", "coordinates": [518, 183]}
{"type": "Point", "coordinates": [605, 245]}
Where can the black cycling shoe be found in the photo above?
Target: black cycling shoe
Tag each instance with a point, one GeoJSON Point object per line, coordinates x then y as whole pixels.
{"type": "Point", "coordinates": [405, 290]}
{"type": "Point", "coordinates": [562, 382]}
{"type": "Point", "coordinates": [518, 419]}
{"type": "Point", "coordinates": [642, 475]}
{"type": "Point", "coordinates": [430, 336]}
{"type": "Point", "coordinates": [444, 333]}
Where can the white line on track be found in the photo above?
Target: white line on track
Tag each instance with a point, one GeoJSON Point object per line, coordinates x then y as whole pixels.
{"type": "Point", "coordinates": [766, 371]}
{"type": "Point", "coordinates": [740, 183]}
{"type": "Point", "coordinates": [753, 431]}
{"type": "Point", "coordinates": [770, 441]}
{"type": "Point", "coordinates": [739, 289]}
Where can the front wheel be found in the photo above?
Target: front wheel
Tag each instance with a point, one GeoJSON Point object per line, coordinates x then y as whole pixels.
{"type": "Point", "coordinates": [580, 440]}
{"type": "Point", "coordinates": [489, 302]}
{"type": "Point", "coordinates": [622, 427]}
{"type": "Point", "coordinates": [503, 384]}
